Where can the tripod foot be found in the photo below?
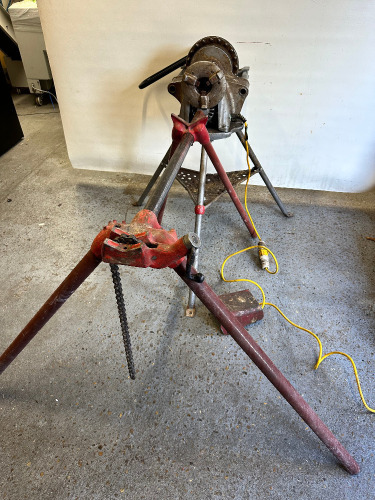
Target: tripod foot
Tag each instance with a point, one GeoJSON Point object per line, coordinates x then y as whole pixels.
{"type": "Point", "coordinates": [274, 194]}
{"type": "Point", "coordinates": [190, 312]}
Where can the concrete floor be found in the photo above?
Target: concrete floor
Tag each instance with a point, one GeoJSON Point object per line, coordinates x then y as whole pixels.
{"type": "Point", "coordinates": [200, 421]}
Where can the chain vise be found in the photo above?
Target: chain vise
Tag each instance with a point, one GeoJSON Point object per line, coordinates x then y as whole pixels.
{"type": "Point", "coordinates": [142, 243]}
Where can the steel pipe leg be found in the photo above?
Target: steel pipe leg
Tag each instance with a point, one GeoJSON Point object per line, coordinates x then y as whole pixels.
{"type": "Point", "coordinates": [161, 211]}
{"type": "Point", "coordinates": [154, 178]}
{"type": "Point", "coordinates": [160, 193]}
{"type": "Point", "coordinates": [228, 185]}
{"type": "Point", "coordinates": [262, 173]}
{"type": "Point", "coordinates": [273, 191]}
{"type": "Point", "coordinates": [190, 310]}
{"type": "Point", "coordinates": [217, 307]}
{"type": "Point", "coordinates": [82, 270]}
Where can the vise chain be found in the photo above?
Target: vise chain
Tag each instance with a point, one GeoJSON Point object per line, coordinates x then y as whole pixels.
{"type": "Point", "coordinates": [116, 278]}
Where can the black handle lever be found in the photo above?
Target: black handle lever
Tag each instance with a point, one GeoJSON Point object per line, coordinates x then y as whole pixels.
{"type": "Point", "coordinates": [163, 72]}
{"type": "Point", "coordinates": [198, 277]}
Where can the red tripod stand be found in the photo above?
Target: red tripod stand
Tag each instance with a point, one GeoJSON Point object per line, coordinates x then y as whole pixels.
{"type": "Point", "coordinates": [144, 243]}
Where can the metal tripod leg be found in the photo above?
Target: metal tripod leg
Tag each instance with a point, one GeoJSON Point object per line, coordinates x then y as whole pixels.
{"type": "Point", "coordinates": [77, 276]}
{"type": "Point", "coordinates": [226, 318]}
{"type": "Point", "coordinates": [154, 178]}
{"type": "Point", "coordinates": [228, 186]}
{"type": "Point", "coordinates": [190, 310]}
{"type": "Point", "coordinates": [262, 173]}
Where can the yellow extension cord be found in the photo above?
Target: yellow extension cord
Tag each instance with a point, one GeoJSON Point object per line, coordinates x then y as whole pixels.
{"type": "Point", "coordinates": [264, 303]}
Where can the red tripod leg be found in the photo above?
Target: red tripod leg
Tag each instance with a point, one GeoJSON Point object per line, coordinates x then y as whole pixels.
{"type": "Point", "coordinates": [228, 185]}
{"type": "Point", "coordinates": [82, 270]}
{"type": "Point", "coordinates": [213, 303]}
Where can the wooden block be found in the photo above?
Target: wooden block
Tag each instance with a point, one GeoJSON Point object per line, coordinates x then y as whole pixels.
{"type": "Point", "coordinates": [244, 306]}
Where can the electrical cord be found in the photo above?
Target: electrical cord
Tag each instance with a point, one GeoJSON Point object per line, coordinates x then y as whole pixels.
{"type": "Point", "coordinates": [321, 357]}
{"type": "Point", "coordinates": [262, 248]}
{"type": "Point", "coordinates": [44, 92]}
{"type": "Point", "coordinates": [50, 93]}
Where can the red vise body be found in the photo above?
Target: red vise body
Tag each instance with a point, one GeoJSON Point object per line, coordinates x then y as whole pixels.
{"type": "Point", "coordinates": [142, 243]}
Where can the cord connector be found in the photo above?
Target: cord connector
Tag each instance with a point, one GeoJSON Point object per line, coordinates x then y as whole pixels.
{"type": "Point", "coordinates": [263, 255]}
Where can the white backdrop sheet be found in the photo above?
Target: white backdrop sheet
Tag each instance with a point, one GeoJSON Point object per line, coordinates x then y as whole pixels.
{"type": "Point", "coordinates": [311, 107]}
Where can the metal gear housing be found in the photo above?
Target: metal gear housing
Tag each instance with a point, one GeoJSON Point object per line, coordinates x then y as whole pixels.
{"type": "Point", "coordinates": [212, 81]}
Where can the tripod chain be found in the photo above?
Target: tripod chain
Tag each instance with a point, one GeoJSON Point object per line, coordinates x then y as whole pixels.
{"type": "Point", "coordinates": [123, 319]}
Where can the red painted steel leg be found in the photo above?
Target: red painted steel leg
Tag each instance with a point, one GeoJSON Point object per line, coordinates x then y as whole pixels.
{"type": "Point", "coordinates": [197, 129]}
{"type": "Point", "coordinates": [213, 303]}
{"type": "Point", "coordinates": [82, 270]}
{"type": "Point", "coordinates": [228, 186]}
